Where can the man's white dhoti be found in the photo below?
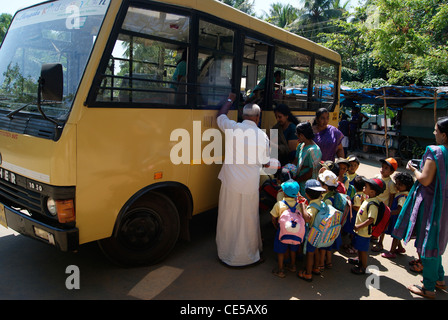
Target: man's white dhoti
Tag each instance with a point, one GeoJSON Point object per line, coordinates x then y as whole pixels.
{"type": "Point", "coordinates": [238, 235]}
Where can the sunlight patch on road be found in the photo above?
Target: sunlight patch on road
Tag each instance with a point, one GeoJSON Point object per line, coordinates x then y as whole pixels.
{"type": "Point", "coordinates": [155, 282]}
{"type": "Point", "coordinates": [4, 232]}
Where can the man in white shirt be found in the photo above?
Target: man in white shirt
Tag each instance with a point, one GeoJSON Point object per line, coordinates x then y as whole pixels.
{"type": "Point", "coordinates": [238, 235]}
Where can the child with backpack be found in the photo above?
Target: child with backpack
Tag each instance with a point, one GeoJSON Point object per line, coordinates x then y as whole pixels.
{"type": "Point", "coordinates": [343, 166]}
{"type": "Point", "coordinates": [313, 191]}
{"type": "Point", "coordinates": [388, 167]}
{"type": "Point", "coordinates": [366, 217]}
{"type": "Point", "coordinates": [288, 220]}
{"type": "Point", "coordinates": [329, 181]}
{"type": "Point", "coordinates": [403, 183]}
{"type": "Point", "coordinates": [357, 200]}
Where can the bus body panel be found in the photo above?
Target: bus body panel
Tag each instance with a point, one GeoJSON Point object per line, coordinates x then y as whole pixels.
{"type": "Point", "coordinates": [115, 162]}
{"type": "Point", "coordinates": [41, 160]}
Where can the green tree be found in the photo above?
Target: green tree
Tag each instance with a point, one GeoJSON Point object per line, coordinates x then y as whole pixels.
{"type": "Point", "coordinates": [410, 39]}
{"type": "Point", "coordinates": [5, 20]}
{"type": "Point", "coordinates": [281, 15]}
{"type": "Point", "coordinates": [315, 16]}
{"type": "Point", "coordinates": [246, 6]}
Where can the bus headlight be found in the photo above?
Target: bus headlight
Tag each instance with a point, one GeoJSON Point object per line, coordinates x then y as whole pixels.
{"type": "Point", "coordinates": [51, 206]}
{"type": "Point", "coordinates": [63, 209]}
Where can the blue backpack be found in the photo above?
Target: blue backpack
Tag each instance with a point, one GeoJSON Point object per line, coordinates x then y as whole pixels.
{"type": "Point", "coordinates": [342, 203]}
{"type": "Point", "coordinates": [326, 226]}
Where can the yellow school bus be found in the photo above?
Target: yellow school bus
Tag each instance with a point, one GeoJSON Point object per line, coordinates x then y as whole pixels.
{"type": "Point", "coordinates": [92, 94]}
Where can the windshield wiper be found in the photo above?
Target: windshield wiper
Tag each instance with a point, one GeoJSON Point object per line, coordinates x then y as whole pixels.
{"type": "Point", "coordinates": [12, 113]}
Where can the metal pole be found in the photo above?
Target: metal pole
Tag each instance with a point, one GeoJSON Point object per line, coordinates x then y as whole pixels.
{"type": "Point", "coordinates": [385, 124]}
{"type": "Point", "coordinates": [435, 106]}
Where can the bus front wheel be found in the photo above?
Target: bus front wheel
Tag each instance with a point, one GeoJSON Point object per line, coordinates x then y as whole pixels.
{"type": "Point", "coordinates": [145, 234]}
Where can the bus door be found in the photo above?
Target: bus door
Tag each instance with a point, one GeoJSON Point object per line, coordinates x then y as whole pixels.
{"type": "Point", "coordinates": [257, 77]}
{"type": "Point", "coordinates": [215, 65]}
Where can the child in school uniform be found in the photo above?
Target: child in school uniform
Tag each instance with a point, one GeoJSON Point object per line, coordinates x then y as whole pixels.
{"type": "Point", "coordinates": [354, 163]}
{"type": "Point", "coordinates": [403, 183]}
{"type": "Point", "coordinates": [291, 190]}
{"type": "Point", "coordinates": [329, 182]}
{"type": "Point", "coordinates": [313, 191]}
{"type": "Point", "coordinates": [357, 200]}
{"type": "Point", "coordinates": [364, 218]}
{"type": "Point", "coordinates": [388, 167]}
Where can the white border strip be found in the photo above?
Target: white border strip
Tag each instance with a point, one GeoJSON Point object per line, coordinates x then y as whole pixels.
{"type": "Point", "coordinates": [26, 172]}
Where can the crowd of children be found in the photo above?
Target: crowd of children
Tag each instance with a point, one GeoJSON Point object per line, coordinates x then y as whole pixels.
{"type": "Point", "coordinates": [339, 203]}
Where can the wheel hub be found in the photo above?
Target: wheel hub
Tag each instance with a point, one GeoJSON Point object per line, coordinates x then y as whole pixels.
{"type": "Point", "coordinates": [140, 229]}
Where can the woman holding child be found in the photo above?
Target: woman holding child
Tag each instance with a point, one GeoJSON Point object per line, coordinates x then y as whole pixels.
{"type": "Point", "coordinates": [425, 212]}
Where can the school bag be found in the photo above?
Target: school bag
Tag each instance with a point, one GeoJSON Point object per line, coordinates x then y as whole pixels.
{"type": "Point", "coordinates": [326, 226]}
{"type": "Point", "coordinates": [268, 194]}
{"type": "Point", "coordinates": [292, 226]}
{"type": "Point", "coordinates": [382, 219]}
{"type": "Point", "coordinates": [341, 203]}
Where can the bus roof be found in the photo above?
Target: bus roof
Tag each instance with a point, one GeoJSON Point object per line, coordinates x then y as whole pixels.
{"type": "Point", "coordinates": [226, 12]}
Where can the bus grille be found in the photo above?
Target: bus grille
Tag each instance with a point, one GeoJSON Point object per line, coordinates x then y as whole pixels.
{"type": "Point", "coordinates": [20, 198]}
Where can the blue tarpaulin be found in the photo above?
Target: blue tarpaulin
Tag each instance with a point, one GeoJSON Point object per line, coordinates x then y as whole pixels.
{"type": "Point", "coordinates": [397, 97]}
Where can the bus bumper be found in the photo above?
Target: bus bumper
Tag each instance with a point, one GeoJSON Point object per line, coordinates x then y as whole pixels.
{"type": "Point", "coordinates": [64, 240]}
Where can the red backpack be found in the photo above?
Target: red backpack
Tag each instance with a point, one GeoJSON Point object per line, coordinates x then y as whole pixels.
{"type": "Point", "coordinates": [382, 220]}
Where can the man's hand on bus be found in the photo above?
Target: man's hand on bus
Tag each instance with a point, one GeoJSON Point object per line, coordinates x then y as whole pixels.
{"type": "Point", "coordinates": [227, 105]}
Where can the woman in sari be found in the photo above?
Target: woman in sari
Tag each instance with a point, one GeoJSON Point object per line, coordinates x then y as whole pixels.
{"type": "Point", "coordinates": [425, 212]}
{"type": "Point", "coordinates": [327, 137]}
{"type": "Point", "coordinates": [308, 155]}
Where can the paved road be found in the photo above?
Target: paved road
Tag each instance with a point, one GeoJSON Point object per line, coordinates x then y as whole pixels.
{"type": "Point", "coordinates": [32, 270]}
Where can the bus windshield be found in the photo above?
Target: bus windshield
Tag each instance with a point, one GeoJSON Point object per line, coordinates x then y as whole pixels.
{"type": "Point", "coordinates": [61, 32]}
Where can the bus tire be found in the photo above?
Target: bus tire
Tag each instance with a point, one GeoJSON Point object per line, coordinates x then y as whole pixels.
{"type": "Point", "coordinates": [145, 234]}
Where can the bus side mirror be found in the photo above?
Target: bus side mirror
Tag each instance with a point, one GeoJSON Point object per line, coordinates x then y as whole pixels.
{"type": "Point", "coordinates": [51, 82]}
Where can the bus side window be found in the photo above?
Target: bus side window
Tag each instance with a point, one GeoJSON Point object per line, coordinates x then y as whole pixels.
{"type": "Point", "coordinates": [215, 64]}
{"type": "Point", "coordinates": [143, 68]}
{"type": "Point", "coordinates": [325, 84]}
{"type": "Point", "coordinates": [296, 75]}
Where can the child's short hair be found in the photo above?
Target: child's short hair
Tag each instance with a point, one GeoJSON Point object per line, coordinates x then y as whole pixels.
{"type": "Point", "coordinates": [359, 183]}
{"type": "Point", "coordinates": [406, 179]}
{"type": "Point", "coordinates": [313, 194]}
{"type": "Point", "coordinates": [335, 169]}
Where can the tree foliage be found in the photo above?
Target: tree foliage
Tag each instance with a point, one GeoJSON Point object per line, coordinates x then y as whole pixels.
{"type": "Point", "coordinates": [246, 6]}
{"type": "Point", "coordinates": [5, 20]}
{"type": "Point", "coordinates": [410, 39]}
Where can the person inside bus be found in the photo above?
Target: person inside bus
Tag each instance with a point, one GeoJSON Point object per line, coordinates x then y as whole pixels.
{"type": "Point", "coordinates": [181, 70]}
{"type": "Point", "coordinates": [257, 93]}
{"type": "Point", "coordinates": [238, 234]}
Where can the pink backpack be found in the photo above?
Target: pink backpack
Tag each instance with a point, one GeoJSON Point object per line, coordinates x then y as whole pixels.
{"type": "Point", "coordinates": [292, 226]}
